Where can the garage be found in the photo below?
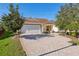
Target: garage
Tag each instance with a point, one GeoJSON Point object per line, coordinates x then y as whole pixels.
{"type": "Point", "coordinates": [31, 29]}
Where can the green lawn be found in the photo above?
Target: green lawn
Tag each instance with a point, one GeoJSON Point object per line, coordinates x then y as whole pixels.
{"type": "Point", "coordinates": [11, 47]}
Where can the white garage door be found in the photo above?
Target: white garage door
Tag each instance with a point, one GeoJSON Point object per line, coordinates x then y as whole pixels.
{"type": "Point", "coordinates": [31, 29]}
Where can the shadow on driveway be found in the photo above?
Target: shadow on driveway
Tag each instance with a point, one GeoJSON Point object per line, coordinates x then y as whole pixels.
{"type": "Point", "coordinates": [55, 50]}
{"type": "Point", "coordinates": [35, 37]}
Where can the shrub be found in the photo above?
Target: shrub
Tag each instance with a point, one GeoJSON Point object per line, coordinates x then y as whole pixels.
{"type": "Point", "coordinates": [1, 31]}
{"type": "Point", "coordinates": [73, 34]}
{"type": "Point", "coordinates": [6, 35]}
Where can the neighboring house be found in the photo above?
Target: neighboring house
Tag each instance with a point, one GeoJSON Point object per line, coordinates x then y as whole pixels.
{"type": "Point", "coordinates": [55, 28]}
{"type": "Point", "coordinates": [37, 26]}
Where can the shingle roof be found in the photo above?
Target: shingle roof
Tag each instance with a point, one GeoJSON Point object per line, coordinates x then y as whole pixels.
{"type": "Point", "coordinates": [37, 21]}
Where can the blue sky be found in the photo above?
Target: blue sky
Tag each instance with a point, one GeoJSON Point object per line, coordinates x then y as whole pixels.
{"type": "Point", "coordinates": [35, 10]}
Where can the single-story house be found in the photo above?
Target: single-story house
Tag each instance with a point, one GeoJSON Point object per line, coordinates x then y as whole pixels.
{"type": "Point", "coordinates": [37, 26]}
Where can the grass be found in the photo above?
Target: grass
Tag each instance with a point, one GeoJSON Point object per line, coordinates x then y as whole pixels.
{"type": "Point", "coordinates": [10, 47]}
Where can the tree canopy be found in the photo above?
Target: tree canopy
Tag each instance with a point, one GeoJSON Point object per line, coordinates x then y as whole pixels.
{"type": "Point", "coordinates": [13, 21]}
{"type": "Point", "coordinates": [68, 17]}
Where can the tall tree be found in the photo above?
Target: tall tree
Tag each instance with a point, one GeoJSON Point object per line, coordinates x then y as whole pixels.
{"type": "Point", "coordinates": [13, 21]}
{"type": "Point", "coordinates": [68, 14]}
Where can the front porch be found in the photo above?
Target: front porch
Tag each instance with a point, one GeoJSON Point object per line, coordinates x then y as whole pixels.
{"type": "Point", "coordinates": [47, 28]}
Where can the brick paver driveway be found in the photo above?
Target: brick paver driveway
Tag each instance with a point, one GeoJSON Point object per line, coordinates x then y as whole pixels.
{"type": "Point", "coordinates": [50, 45]}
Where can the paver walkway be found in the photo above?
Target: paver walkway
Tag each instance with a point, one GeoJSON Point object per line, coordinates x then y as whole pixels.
{"type": "Point", "coordinates": [55, 45]}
